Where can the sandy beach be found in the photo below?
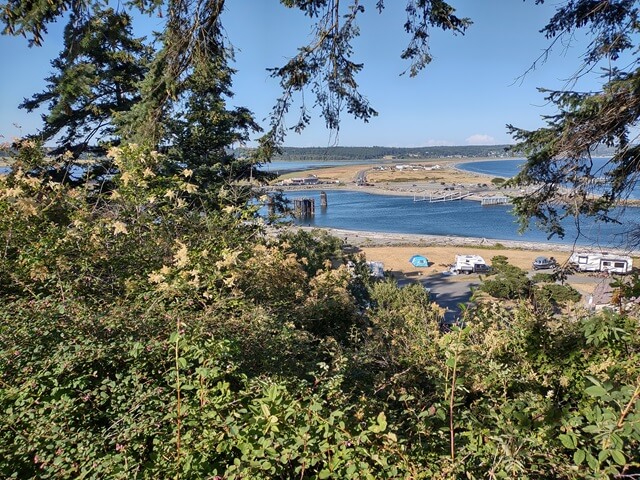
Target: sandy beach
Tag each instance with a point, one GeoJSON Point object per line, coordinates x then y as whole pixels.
{"type": "Point", "coordinates": [395, 249]}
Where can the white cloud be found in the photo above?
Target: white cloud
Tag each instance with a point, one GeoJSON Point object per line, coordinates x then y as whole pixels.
{"type": "Point", "coordinates": [480, 139]}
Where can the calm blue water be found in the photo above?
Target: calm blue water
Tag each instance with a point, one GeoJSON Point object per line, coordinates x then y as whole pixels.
{"type": "Point", "coordinates": [496, 168]}
{"type": "Point", "coordinates": [353, 210]}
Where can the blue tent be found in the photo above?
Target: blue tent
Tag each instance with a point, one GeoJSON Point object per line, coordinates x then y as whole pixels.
{"type": "Point", "coordinates": [419, 261]}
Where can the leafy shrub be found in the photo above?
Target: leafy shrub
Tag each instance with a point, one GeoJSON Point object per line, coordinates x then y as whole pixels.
{"type": "Point", "coordinates": [557, 294]}
{"type": "Point", "coordinates": [506, 281]}
{"type": "Point", "coordinates": [143, 335]}
{"type": "Point", "coordinates": [316, 247]}
{"type": "Point", "coordinates": [507, 287]}
{"type": "Point", "coordinates": [540, 277]}
{"type": "Point", "coordinates": [86, 395]}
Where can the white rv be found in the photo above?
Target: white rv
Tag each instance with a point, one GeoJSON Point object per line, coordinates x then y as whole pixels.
{"type": "Point", "coordinates": [601, 262]}
{"type": "Point", "coordinates": [470, 264]}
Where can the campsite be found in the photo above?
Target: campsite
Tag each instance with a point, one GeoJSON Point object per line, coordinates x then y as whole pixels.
{"type": "Point", "coordinates": [419, 261]}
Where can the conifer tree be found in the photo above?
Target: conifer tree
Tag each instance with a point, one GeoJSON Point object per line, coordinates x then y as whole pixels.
{"type": "Point", "coordinates": [561, 176]}
{"type": "Point", "coordinates": [96, 77]}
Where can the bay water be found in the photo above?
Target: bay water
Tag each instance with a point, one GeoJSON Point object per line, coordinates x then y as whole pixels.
{"type": "Point", "coordinates": [359, 210]}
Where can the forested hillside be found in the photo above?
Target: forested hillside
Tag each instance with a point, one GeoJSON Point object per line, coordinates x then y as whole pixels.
{"type": "Point", "coordinates": [369, 153]}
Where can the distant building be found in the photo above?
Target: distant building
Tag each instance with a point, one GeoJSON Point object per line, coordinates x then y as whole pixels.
{"type": "Point", "coordinates": [310, 180]}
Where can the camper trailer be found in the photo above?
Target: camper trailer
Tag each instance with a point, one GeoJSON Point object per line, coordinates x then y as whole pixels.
{"type": "Point", "coordinates": [470, 264]}
{"type": "Point", "coordinates": [601, 262]}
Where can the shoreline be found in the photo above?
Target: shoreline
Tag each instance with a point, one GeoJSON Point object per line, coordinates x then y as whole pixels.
{"type": "Point", "coordinates": [394, 252]}
{"type": "Point", "coordinates": [360, 238]}
{"type": "Point", "coordinates": [417, 188]}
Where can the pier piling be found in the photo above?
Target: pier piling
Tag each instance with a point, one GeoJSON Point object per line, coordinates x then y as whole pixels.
{"type": "Point", "coordinates": [271, 205]}
{"type": "Point", "coordinates": [304, 207]}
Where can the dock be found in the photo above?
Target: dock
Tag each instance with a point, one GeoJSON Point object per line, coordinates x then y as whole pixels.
{"type": "Point", "coordinates": [495, 201]}
{"type": "Point", "coordinates": [447, 197]}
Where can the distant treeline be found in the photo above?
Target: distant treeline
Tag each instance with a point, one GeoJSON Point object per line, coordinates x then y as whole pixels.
{"type": "Point", "coordinates": [367, 153]}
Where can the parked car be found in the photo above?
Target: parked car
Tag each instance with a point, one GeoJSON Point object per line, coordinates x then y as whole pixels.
{"type": "Point", "coordinates": [481, 268]}
{"type": "Point", "coordinates": [543, 263]}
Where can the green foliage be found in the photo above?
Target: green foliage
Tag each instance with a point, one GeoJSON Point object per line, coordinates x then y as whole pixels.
{"type": "Point", "coordinates": [402, 335]}
{"type": "Point", "coordinates": [204, 129]}
{"type": "Point", "coordinates": [89, 394]}
{"type": "Point", "coordinates": [333, 153]}
{"type": "Point", "coordinates": [628, 286]}
{"type": "Point", "coordinates": [141, 336]}
{"type": "Point", "coordinates": [509, 282]}
{"type": "Point", "coordinates": [144, 335]}
{"type": "Point", "coordinates": [96, 77]}
{"type": "Point", "coordinates": [556, 295]}
{"type": "Point", "coordinates": [316, 249]}
{"type": "Point", "coordinates": [498, 180]}
{"type": "Point", "coordinates": [105, 243]}
{"type": "Point", "coordinates": [506, 281]}
{"type": "Point", "coordinates": [540, 277]}
{"type": "Point", "coordinates": [530, 393]}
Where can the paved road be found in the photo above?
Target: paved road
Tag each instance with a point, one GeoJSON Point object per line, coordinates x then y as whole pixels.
{"type": "Point", "coordinates": [361, 177]}
{"type": "Point", "coordinates": [449, 291]}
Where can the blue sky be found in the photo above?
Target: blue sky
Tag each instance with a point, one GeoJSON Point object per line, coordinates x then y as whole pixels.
{"type": "Point", "coordinates": [467, 95]}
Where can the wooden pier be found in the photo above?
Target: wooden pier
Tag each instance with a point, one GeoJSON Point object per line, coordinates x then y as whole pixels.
{"type": "Point", "coordinates": [271, 205]}
{"type": "Point", "coordinates": [447, 197]}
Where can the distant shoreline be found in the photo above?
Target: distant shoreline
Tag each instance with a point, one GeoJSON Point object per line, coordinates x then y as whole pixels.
{"type": "Point", "coordinates": [405, 189]}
